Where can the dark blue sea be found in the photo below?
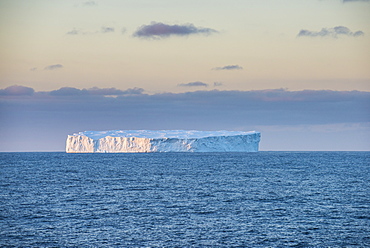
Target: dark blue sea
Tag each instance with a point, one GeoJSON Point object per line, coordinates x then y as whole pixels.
{"type": "Point", "coordinates": [264, 199]}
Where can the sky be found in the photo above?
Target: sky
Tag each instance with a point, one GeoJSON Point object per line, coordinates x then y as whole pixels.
{"type": "Point", "coordinates": [295, 70]}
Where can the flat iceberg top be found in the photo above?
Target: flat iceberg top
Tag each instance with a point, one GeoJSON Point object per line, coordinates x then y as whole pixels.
{"type": "Point", "coordinates": [157, 134]}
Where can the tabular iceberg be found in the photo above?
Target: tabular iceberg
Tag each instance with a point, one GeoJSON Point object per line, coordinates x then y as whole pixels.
{"type": "Point", "coordinates": [132, 141]}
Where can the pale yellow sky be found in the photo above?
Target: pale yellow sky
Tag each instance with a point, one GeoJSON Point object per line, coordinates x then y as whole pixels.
{"type": "Point", "coordinates": [259, 36]}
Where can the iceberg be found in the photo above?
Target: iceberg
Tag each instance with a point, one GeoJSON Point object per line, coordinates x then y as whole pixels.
{"type": "Point", "coordinates": [134, 141]}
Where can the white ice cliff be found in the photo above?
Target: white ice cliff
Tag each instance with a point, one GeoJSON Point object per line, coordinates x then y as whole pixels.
{"type": "Point", "coordinates": [125, 141]}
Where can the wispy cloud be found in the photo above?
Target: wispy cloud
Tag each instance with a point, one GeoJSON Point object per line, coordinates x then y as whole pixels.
{"type": "Point", "coordinates": [89, 3]}
{"type": "Point", "coordinates": [53, 67]}
{"type": "Point", "coordinates": [95, 91]}
{"type": "Point", "coordinates": [68, 91]}
{"type": "Point", "coordinates": [330, 32]}
{"type": "Point", "coordinates": [228, 67]}
{"type": "Point", "coordinates": [217, 84]}
{"type": "Point", "coordinates": [133, 91]}
{"type": "Point", "coordinates": [193, 84]}
{"type": "Point", "coordinates": [17, 90]}
{"type": "Point", "coordinates": [114, 91]}
{"type": "Point", "coordinates": [161, 30]}
{"type": "Point", "coordinates": [75, 32]}
{"type": "Point", "coordinates": [348, 1]}
{"type": "Point", "coordinates": [107, 29]}
{"type": "Point", "coordinates": [103, 30]}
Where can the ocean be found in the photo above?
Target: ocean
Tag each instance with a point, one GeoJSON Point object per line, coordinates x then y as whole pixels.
{"type": "Point", "coordinates": [264, 199]}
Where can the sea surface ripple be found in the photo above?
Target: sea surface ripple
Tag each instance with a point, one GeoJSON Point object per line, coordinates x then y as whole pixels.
{"type": "Point", "coordinates": [264, 199]}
